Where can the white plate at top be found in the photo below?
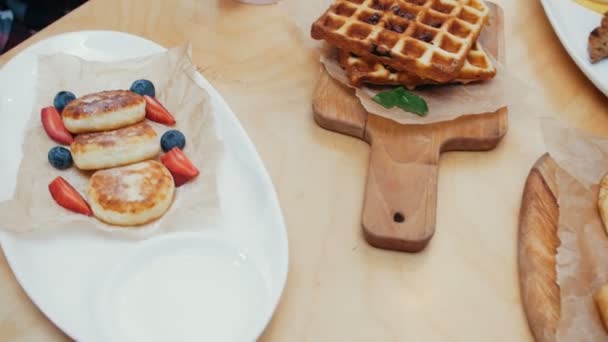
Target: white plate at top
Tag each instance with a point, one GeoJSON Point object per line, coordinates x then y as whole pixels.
{"type": "Point", "coordinates": [219, 284]}
{"type": "Point", "coordinates": [572, 24]}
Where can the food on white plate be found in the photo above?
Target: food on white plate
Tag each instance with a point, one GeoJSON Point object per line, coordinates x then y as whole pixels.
{"type": "Point", "coordinates": [104, 111]}
{"type": "Point", "coordinates": [132, 144]}
{"type": "Point", "coordinates": [66, 196]}
{"type": "Point", "coordinates": [53, 126]}
{"type": "Point", "coordinates": [180, 166]}
{"type": "Point", "coordinates": [143, 87]}
{"type": "Point", "coordinates": [598, 41]}
{"type": "Point", "coordinates": [60, 157]}
{"type": "Point", "coordinates": [172, 138]}
{"type": "Point", "coordinates": [156, 112]}
{"type": "Point", "coordinates": [131, 195]}
{"type": "Point", "coordinates": [601, 300]}
{"type": "Point", "coordinates": [602, 201]}
{"type": "Point", "coordinates": [62, 99]}
{"type": "Point", "coordinates": [112, 136]}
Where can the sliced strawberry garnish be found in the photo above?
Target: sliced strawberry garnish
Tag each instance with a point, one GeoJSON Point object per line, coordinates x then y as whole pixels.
{"type": "Point", "coordinates": [179, 180]}
{"type": "Point", "coordinates": [156, 112]}
{"type": "Point", "coordinates": [53, 125]}
{"type": "Point", "coordinates": [180, 166]}
{"type": "Point", "coordinates": [66, 196]}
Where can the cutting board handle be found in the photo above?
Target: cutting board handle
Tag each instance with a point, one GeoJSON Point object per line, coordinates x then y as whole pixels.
{"type": "Point", "coordinates": [400, 203]}
{"type": "Point", "coordinates": [401, 193]}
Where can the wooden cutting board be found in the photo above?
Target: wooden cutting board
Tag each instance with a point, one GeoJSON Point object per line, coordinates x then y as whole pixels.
{"type": "Point", "coordinates": [537, 248]}
{"type": "Point", "coordinates": [400, 202]}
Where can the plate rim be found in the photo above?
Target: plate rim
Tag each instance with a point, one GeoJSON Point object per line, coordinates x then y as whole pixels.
{"type": "Point", "coordinates": [549, 7]}
{"type": "Point", "coordinates": [249, 148]}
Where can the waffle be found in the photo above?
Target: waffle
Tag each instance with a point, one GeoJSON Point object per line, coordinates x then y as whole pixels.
{"type": "Point", "coordinates": [477, 67]}
{"type": "Point", "coordinates": [429, 38]}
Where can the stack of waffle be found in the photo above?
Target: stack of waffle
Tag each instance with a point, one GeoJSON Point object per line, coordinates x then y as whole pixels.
{"type": "Point", "coordinates": [407, 42]}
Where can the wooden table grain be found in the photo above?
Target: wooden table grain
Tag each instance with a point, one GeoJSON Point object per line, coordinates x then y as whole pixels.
{"type": "Point", "coordinates": [463, 287]}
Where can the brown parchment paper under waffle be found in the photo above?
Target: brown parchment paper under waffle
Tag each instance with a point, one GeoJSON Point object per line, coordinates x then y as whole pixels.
{"type": "Point", "coordinates": [32, 209]}
{"type": "Point", "coordinates": [582, 257]}
{"type": "Point", "coordinates": [445, 102]}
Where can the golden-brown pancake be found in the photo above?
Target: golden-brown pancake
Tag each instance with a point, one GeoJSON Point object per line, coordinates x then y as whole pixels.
{"type": "Point", "coordinates": [131, 195]}
{"type": "Point", "coordinates": [103, 111]}
{"type": "Point", "coordinates": [93, 151]}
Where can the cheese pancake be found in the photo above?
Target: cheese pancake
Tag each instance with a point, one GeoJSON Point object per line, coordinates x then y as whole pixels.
{"type": "Point", "coordinates": [104, 111]}
{"type": "Point", "coordinates": [131, 195]}
{"type": "Point", "coordinates": [123, 146]}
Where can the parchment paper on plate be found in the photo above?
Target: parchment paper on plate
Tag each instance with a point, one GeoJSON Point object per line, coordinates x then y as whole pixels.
{"type": "Point", "coordinates": [32, 209]}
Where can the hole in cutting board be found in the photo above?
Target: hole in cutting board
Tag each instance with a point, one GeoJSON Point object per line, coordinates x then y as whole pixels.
{"type": "Point", "coordinates": [398, 217]}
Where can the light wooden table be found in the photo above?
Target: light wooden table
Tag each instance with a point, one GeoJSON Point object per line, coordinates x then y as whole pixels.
{"type": "Point", "coordinates": [462, 288]}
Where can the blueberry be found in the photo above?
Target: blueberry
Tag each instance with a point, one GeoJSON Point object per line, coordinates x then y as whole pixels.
{"type": "Point", "coordinates": [62, 99]}
{"type": "Point", "coordinates": [143, 87]}
{"type": "Point", "coordinates": [60, 157]}
{"type": "Point", "coordinates": [171, 139]}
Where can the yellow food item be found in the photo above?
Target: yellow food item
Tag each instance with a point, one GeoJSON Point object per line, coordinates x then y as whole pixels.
{"type": "Point", "coordinates": [600, 6]}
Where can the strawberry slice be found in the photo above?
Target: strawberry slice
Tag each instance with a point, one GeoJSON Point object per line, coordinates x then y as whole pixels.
{"type": "Point", "coordinates": [180, 166]}
{"type": "Point", "coordinates": [66, 196]}
{"type": "Point", "coordinates": [179, 179]}
{"type": "Point", "coordinates": [53, 125]}
{"type": "Point", "coordinates": [157, 113]}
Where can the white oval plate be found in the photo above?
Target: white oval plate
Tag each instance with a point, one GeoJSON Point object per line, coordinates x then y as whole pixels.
{"type": "Point", "coordinates": [572, 23]}
{"type": "Point", "coordinates": [221, 284]}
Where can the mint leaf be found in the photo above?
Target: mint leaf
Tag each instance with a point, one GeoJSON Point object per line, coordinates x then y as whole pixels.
{"type": "Point", "coordinates": [399, 97]}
